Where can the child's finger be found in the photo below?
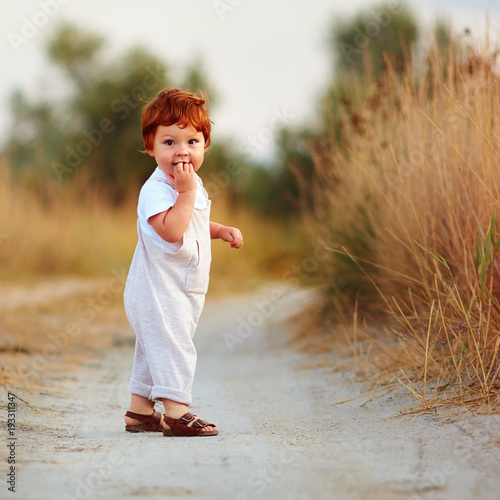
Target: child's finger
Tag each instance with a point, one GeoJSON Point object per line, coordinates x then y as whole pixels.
{"type": "Point", "coordinates": [237, 240]}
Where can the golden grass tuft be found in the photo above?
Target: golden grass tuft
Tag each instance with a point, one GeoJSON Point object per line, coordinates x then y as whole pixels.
{"type": "Point", "coordinates": [411, 198]}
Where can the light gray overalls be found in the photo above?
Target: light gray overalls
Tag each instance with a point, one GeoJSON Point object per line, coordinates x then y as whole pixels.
{"type": "Point", "coordinates": [164, 297]}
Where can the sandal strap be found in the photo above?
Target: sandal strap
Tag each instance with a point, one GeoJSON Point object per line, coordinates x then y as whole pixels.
{"type": "Point", "coordinates": [154, 418]}
{"type": "Point", "coordinates": [180, 426]}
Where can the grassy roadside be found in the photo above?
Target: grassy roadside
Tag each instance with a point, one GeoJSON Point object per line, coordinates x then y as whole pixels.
{"type": "Point", "coordinates": [409, 195]}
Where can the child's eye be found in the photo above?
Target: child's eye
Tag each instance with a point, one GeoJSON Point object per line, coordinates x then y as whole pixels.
{"type": "Point", "coordinates": [193, 141]}
{"type": "Point", "coordinates": [169, 142]}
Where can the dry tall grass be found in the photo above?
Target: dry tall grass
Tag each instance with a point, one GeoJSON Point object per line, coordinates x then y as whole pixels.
{"type": "Point", "coordinates": [78, 231]}
{"type": "Point", "coordinates": [410, 195]}
{"type": "Point", "coordinates": [64, 231]}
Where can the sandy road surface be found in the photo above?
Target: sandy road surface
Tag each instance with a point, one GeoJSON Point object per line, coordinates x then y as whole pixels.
{"type": "Point", "coordinates": [279, 439]}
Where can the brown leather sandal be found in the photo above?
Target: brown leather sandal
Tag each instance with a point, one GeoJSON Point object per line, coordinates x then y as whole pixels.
{"type": "Point", "coordinates": [149, 423]}
{"type": "Point", "coordinates": [188, 425]}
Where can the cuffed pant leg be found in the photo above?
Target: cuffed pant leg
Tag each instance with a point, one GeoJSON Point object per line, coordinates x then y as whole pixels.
{"type": "Point", "coordinates": [161, 392]}
{"type": "Point", "coordinates": [141, 382]}
{"type": "Point", "coordinates": [165, 356]}
{"type": "Point", "coordinates": [169, 346]}
{"type": "Point", "coordinates": [137, 387]}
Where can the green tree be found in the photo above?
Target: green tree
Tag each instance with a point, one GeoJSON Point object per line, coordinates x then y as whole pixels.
{"type": "Point", "coordinates": [92, 129]}
{"type": "Point", "coordinates": [276, 190]}
{"type": "Point", "coordinates": [359, 47]}
{"type": "Point", "coordinates": [362, 42]}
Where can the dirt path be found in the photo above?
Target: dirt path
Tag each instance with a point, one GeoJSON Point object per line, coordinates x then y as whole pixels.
{"type": "Point", "coordinates": [280, 438]}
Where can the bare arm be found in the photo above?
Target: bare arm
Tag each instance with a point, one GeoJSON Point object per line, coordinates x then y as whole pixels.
{"type": "Point", "coordinates": [215, 230]}
{"type": "Point", "coordinates": [172, 224]}
{"type": "Point", "coordinates": [229, 234]}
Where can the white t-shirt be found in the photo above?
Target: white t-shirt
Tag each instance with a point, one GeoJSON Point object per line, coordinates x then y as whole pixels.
{"type": "Point", "coordinates": [158, 195]}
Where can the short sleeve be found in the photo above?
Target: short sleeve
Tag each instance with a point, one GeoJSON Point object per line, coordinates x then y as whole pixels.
{"type": "Point", "coordinates": [155, 197]}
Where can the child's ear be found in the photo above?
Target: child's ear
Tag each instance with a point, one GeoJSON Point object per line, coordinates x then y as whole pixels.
{"type": "Point", "coordinates": [150, 152]}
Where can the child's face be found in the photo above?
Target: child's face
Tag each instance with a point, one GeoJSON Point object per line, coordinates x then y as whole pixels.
{"type": "Point", "coordinates": [173, 144]}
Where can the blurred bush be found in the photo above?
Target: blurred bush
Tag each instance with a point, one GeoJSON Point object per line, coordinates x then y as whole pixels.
{"type": "Point", "coordinates": [72, 167]}
{"type": "Point", "coordinates": [87, 127]}
{"type": "Point", "coordinates": [384, 32]}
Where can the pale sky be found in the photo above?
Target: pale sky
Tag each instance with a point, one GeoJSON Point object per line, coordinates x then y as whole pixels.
{"type": "Point", "coordinates": [267, 59]}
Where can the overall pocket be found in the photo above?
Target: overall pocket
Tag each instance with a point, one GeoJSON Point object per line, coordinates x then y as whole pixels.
{"type": "Point", "coordinates": [198, 274]}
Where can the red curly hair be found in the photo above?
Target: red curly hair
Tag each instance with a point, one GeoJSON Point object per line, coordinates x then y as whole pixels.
{"type": "Point", "coordinates": [174, 106]}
